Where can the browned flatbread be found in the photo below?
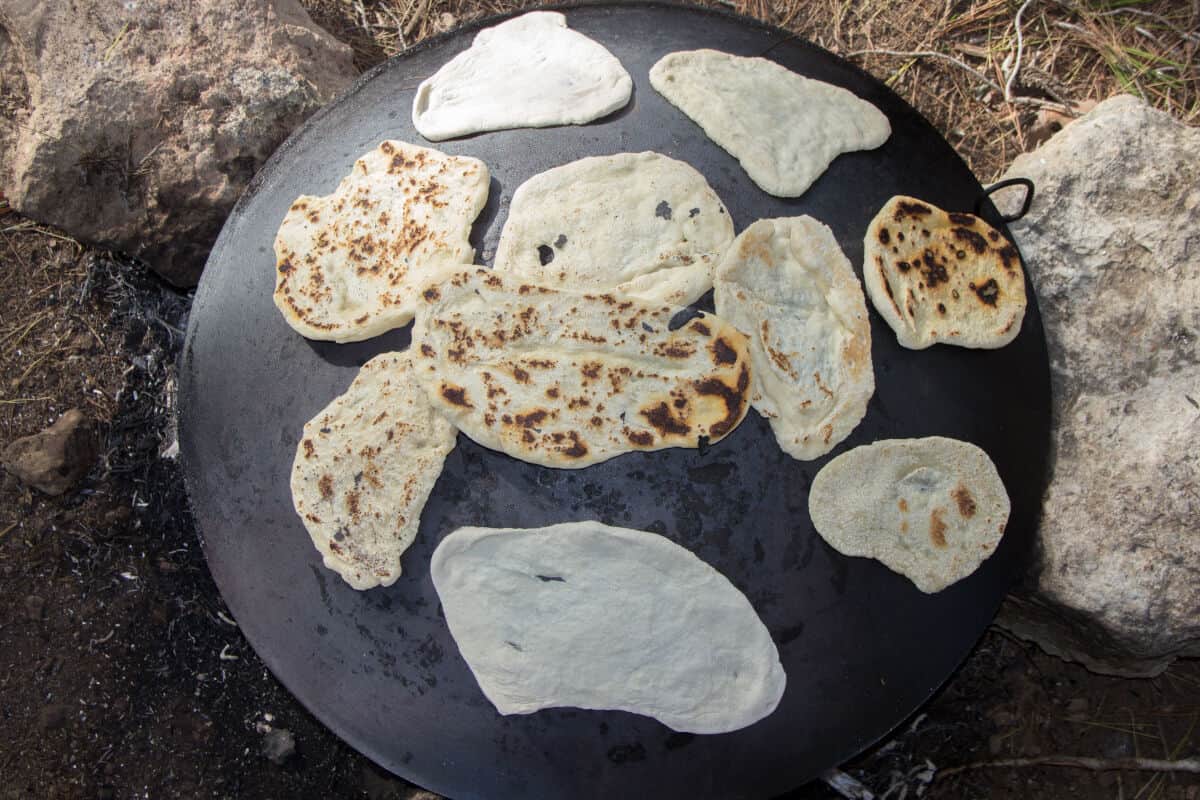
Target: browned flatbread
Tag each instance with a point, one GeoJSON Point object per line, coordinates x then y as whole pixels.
{"type": "Point", "coordinates": [942, 277]}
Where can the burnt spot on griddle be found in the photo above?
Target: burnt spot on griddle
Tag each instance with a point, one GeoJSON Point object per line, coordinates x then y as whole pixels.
{"type": "Point", "coordinates": [551, 578]}
{"type": "Point", "coordinates": [683, 317]}
{"type": "Point", "coordinates": [325, 486]}
{"type": "Point", "coordinates": [352, 498]}
{"type": "Point", "coordinates": [455, 395]}
{"type": "Point", "coordinates": [722, 352]}
{"type": "Point", "coordinates": [662, 420]}
{"type": "Point", "coordinates": [988, 293]}
{"type": "Point", "coordinates": [885, 238]}
{"type": "Point", "coordinates": [596, 422]}
{"type": "Point", "coordinates": [527, 436]}
{"type": "Point", "coordinates": [900, 235]}
{"type": "Point", "coordinates": [561, 241]}
{"type": "Point", "coordinates": [734, 399]}
{"type": "Point", "coordinates": [964, 500]}
{"type": "Point", "coordinates": [904, 209]}
{"type": "Point", "coordinates": [387, 147]}
{"type": "Point", "coordinates": [431, 295]}
{"type": "Point", "coordinates": [663, 210]}
{"type": "Point", "coordinates": [545, 254]}
{"type": "Point", "coordinates": [937, 527]}
{"type": "Point", "coordinates": [972, 239]}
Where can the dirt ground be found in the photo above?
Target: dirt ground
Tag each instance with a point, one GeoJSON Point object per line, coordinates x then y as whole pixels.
{"type": "Point", "coordinates": [122, 675]}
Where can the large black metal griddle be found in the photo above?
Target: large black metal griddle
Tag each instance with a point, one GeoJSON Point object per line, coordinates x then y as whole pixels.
{"type": "Point", "coordinates": [861, 646]}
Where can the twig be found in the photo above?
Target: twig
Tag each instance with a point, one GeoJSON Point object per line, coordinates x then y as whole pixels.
{"type": "Point", "coordinates": [4, 532]}
{"type": "Point", "coordinates": [19, 400]}
{"type": "Point", "coordinates": [1012, 76]}
{"type": "Point", "coordinates": [928, 54]}
{"type": "Point", "coordinates": [1082, 762]}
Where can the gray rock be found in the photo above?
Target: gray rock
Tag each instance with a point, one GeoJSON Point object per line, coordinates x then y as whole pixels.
{"type": "Point", "coordinates": [278, 745]}
{"type": "Point", "coordinates": [53, 460]}
{"type": "Point", "coordinates": [1112, 244]}
{"type": "Point", "coordinates": [145, 121]}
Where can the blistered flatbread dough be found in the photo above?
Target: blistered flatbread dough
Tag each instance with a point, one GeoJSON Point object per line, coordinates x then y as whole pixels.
{"type": "Point", "coordinates": [586, 615]}
{"type": "Point", "coordinates": [567, 379]}
{"type": "Point", "coordinates": [786, 284]}
{"type": "Point", "coordinates": [942, 277]}
{"type": "Point", "coordinates": [364, 468]}
{"type": "Point", "coordinates": [636, 223]}
{"type": "Point", "coordinates": [931, 509]}
{"type": "Point", "coordinates": [783, 128]}
{"type": "Point", "coordinates": [348, 264]}
{"type": "Point", "coordinates": [529, 72]}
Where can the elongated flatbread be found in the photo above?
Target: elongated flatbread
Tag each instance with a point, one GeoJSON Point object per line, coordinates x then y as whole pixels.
{"type": "Point", "coordinates": [942, 277]}
{"type": "Point", "coordinates": [529, 72]}
{"type": "Point", "coordinates": [931, 509]}
{"type": "Point", "coordinates": [364, 468]}
{"type": "Point", "coordinates": [783, 128]}
{"type": "Point", "coordinates": [786, 284]}
{"type": "Point", "coordinates": [586, 615]}
{"type": "Point", "coordinates": [635, 223]}
{"type": "Point", "coordinates": [565, 379]}
{"type": "Point", "coordinates": [349, 263]}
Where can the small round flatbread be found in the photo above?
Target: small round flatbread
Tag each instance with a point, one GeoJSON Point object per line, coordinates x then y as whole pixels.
{"type": "Point", "coordinates": [942, 277]}
{"type": "Point", "coordinates": [587, 615]}
{"type": "Point", "coordinates": [364, 468]}
{"type": "Point", "coordinates": [786, 284]}
{"type": "Point", "coordinates": [636, 223]}
{"type": "Point", "coordinates": [529, 72]}
{"type": "Point", "coordinates": [783, 128]}
{"type": "Point", "coordinates": [348, 265]}
{"type": "Point", "coordinates": [930, 509]}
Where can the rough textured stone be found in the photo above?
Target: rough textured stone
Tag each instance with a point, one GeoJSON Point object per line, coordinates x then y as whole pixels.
{"type": "Point", "coordinates": [53, 460]}
{"type": "Point", "coordinates": [1113, 247]}
{"type": "Point", "coordinates": [145, 120]}
{"type": "Point", "coordinates": [278, 745]}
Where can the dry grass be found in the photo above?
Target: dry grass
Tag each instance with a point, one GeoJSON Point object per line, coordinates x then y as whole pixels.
{"type": "Point", "coordinates": [993, 87]}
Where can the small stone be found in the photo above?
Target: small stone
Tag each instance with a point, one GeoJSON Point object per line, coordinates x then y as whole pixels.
{"type": "Point", "coordinates": [278, 745]}
{"type": "Point", "coordinates": [55, 459]}
{"type": "Point", "coordinates": [35, 608]}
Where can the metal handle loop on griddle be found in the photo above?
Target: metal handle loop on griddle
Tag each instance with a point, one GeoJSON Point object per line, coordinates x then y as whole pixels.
{"type": "Point", "coordinates": [1004, 184]}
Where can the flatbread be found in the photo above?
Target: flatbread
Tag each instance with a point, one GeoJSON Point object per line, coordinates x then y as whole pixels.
{"type": "Point", "coordinates": [786, 284]}
{"type": "Point", "coordinates": [586, 615]}
{"type": "Point", "coordinates": [364, 468]}
{"type": "Point", "coordinates": [930, 509]}
{"type": "Point", "coordinates": [348, 264]}
{"type": "Point", "coordinates": [783, 128]}
{"type": "Point", "coordinates": [636, 223]}
{"type": "Point", "coordinates": [565, 379]}
{"type": "Point", "coordinates": [942, 277]}
{"type": "Point", "coordinates": [529, 72]}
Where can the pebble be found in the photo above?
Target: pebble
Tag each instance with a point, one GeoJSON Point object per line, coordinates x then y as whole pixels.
{"type": "Point", "coordinates": [278, 745]}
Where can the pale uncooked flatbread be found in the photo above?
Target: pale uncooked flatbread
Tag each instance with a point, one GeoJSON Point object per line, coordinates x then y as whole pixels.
{"type": "Point", "coordinates": [528, 72]}
{"type": "Point", "coordinates": [565, 379]}
{"type": "Point", "coordinates": [786, 284]}
{"type": "Point", "coordinates": [931, 509]}
{"type": "Point", "coordinates": [586, 615]}
{"type": "Point", "coordinates": [348, 264]}
{"type": "Point", "coordinates": [785, 129]}
{"type": "Point", "coordinates": [364, 468]}
{"type": "Point", "coordinates": [636, 223]}
{"type": "Point", "coordinates": [942, 277]}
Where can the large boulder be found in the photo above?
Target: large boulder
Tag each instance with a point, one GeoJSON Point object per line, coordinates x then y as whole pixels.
{"type": "Point", "coordinates": [1112, 244]}
{"type": "Point", "coordinates": [145, 121]}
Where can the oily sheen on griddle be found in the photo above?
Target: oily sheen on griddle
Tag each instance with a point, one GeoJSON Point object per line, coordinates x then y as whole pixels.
{"type": "Point", "coordinates": [587, 615]}
{"type": "Point", "coordinates": [567, 379]}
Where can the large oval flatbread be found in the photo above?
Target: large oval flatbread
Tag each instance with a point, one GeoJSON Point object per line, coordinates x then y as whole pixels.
{"type": "Point", "coordinates": [930, 509]}
{"type": "Point", "coordinates": [783, 128]}
{"type": "Point", "coordinates": [586, 615]}
{"type": "Point", "coordinates": [942, 277]}
{"type": "Point", "coordinates": [565, 379]}
{"type": "Point", "coordinates": [364, 468]}
{"type": "Point", "coordinates": [786, 284]}
{"type": "Point", "coordinates": [636, 223]}
{"type": "Point", "coordinates": [529, 72]}
{"type": "Point", "coordinates": [348, 264]}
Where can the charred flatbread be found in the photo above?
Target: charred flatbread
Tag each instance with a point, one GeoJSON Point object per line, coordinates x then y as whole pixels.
{"type": "Point", "coordinates": [786, 284]}
{"type": "Point", "coordinates": [567, 379]}
{"type": "Point", "coordinates": [931, 509]}
{"type": "Point", "coordinates": [364, 468]}
{"type": "Point", "coordinates": [349, 264]}
{"type": "Point", "coordinates": [942, 277]}
{"type": "Point", "coordinates": [587, 615]}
